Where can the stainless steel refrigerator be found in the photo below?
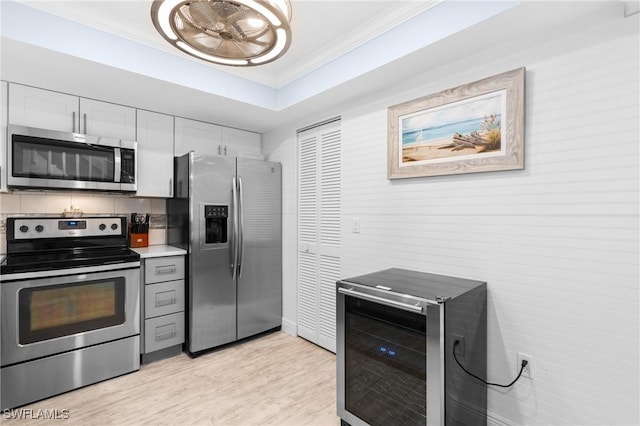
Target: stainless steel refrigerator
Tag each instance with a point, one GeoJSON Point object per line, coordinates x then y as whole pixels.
{"type": "Point", "coordinates": [227, 213]}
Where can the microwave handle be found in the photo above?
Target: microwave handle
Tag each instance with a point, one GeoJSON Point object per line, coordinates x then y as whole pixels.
{"type": "Point", "coordinates": [117, 164]}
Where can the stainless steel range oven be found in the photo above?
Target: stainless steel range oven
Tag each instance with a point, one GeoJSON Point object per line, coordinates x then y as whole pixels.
{"type": "Point", "coordinates": [395, 334]}
{"type": "Point", "coordinates": [70, 297]}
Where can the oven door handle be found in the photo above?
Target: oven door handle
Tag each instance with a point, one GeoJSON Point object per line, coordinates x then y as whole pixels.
{"type": "Point", "coordinates": [382, 300]}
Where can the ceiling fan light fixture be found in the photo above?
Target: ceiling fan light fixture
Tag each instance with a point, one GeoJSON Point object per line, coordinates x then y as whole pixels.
{"type": "Point", "coordinates": [210, 58]}
{"type": "Point", "coordinates": [280, 45]}
{"type": "Point", "coordinates": [226, 32]}
{"type": "Point", "coordinates": [163, 18]}
{"type": "Point", "coordinates": [262, 10]}
{"type": "Point", "coordinates": [255, 22]}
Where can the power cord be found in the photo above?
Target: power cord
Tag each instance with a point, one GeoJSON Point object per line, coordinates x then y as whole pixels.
{"type": "Point", "coordinates": [522, 367]}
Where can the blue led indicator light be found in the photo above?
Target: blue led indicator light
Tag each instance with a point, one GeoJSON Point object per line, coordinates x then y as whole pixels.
{"type": "Point", "coordinates": [392, 352]}
{"type": "Point", "coordinates": [383, 349]}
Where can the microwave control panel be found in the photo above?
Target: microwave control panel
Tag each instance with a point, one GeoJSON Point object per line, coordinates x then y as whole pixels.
{"type": "Point", "coordinates": [128, 166]}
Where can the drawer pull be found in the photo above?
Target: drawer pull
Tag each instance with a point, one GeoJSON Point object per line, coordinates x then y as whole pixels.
{"type": "Point", "coordinates": [165, 302]}
{"type": "Point", "coordinates": [165, 298]}
{"type": "Point", "coordinates": [165, 336]}
{"type": "Point", "coordinates": [167, 269]}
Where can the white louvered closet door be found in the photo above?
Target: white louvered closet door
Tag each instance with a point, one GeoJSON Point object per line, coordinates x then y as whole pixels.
{"type": "Point", "coordinates": [319, 173]}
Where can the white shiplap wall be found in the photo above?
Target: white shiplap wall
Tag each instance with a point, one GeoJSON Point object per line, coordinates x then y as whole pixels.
{"type": "Point", "coordinates": [557, 242]}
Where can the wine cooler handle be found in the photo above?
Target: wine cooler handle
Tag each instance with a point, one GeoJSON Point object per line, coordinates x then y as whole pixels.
{"type": "Point", "coordinates": [381, 300]}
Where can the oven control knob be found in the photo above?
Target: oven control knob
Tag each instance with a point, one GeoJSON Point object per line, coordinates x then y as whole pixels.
{"type": "Point", "coordinates": [39, 228]}
{"type": "Point", "coordinates": [24, 228]}
{"type": "Point", "coordinates": [102, 226]}
{"type": "Point", "coordinates": [114, 226]}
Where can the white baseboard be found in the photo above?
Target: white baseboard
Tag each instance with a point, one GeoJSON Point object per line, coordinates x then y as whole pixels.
{"type": "Point", "coordinates": [290, 327]}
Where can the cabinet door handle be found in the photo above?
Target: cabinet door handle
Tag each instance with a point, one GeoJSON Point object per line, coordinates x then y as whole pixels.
{"type": "Point", "coordinates": [73, 121]}
{"type": "Point", "coordinates": [225, 150]}
{"type": "Point", "coordinates": [171, 187]}
{"type": "Point", "coordinates": [85, 123]}
{"type": "Point", "coordinates": [165, 336]}
{"type": "Point", "coordinates": [219, 149]}
{"type": "Point", "coordinates": [166, 269]}
{"type": "Point", "coordinates": [165, 302]}
{"type": "Point", "coordinates": [169, 298]}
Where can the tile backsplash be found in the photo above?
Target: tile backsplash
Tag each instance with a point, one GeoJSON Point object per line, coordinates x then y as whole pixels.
{"type": "Point", "coordinates": [55, 203]}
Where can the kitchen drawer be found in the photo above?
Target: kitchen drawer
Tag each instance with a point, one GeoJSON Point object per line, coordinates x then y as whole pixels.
{"type": "Point", "coordinates": [163, 332]}
{"type": "Point", "coordinates": [163, 298]}
{"type": "Point", "coordinates": [158, 269]}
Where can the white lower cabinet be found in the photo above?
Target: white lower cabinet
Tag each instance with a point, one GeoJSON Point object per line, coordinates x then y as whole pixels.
{"type": "Point", "coordinates": [164, 332]}
{"type": "Point", "coordinates": [163, 327]}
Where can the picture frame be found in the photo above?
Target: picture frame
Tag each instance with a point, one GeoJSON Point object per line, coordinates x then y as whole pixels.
{"type": "Point", "coordinates": [476, 127]}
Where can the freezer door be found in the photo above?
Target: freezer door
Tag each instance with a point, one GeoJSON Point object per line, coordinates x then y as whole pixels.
{"type": "Point", "coordinates": [212, 289]}
{"type": "Point", "coordinates": [260, 266]}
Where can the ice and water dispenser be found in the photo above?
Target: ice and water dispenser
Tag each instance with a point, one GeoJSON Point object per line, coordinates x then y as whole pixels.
{"type": "Point", "coordinates": [216, 217]}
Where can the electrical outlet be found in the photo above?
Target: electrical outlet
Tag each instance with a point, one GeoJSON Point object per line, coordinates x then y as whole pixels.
{"type": "Point", "coordinates": [531, 363]}
{"type": "Point", "coordinates": [458, 349]}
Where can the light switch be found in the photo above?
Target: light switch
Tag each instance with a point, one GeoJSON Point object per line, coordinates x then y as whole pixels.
{"type": "Point", "coordinates": [356, 225]}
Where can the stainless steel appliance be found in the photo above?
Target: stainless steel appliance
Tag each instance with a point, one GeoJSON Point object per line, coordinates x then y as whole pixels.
{"type": "Point", "coordinates": [40, 158]}
{"type": "Point", "coordinates": [70, 306]}
{"type": "Point", "coordinates": [396, 330]}
{"type": "Point", "coordinates": [227, 214]}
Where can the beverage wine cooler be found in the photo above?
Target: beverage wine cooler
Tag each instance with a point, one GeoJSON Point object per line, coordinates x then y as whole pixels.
{"type": "Point", "coordinates": [395, 349]}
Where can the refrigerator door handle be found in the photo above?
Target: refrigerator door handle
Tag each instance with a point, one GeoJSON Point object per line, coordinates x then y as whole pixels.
{"type": "Point", "coordinates": [240, 227]}
{"type": "Point", "coordinates": [234, 236]}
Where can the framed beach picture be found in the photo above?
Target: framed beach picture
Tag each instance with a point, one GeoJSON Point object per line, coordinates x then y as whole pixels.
{"type": "Point", "coordinates": [477, 127]}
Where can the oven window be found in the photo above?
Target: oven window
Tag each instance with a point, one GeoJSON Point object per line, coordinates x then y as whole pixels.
{"type": "Point", "coordinates": [61, 310]}
{"type": "Point", "coordinates": [385, 363]}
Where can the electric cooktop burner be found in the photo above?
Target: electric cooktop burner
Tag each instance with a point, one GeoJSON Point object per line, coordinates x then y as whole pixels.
{"type": "Point", "coordinates": [63, 260]}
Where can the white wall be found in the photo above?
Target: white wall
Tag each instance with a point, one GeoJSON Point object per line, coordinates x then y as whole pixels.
{"type": "Point", "coordinates": [557, 242]}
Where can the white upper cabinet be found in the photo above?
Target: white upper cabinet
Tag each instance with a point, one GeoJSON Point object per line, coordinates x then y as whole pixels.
{"type": "Point", "coordinates": [3, 137]}
{"type": "Point", "coordinates": [207, 138]}
{"type": "Point", "coordinates": [198, 136]}
{"type": "Point", "coordinates": [155, 154]}
{"type": "Point", "coordinates": [107, 119]}
{"type": "Point", "coordinates": [236, 142]}
{"type": "Point", "coordinates": [33, 107]}
{"type": "Point", "coordinates": [29, 106]}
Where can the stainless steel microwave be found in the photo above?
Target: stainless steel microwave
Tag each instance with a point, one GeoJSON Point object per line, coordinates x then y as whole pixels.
{"type": "Point", "coordinates": [49, 159]}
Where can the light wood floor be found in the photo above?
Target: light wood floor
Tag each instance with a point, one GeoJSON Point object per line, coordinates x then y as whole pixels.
{"type": "Point", "coordinates": [275, 379]}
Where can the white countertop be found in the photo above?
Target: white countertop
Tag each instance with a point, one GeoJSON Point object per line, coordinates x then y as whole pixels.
{"type": "Point", "coordinates": [159, 250]}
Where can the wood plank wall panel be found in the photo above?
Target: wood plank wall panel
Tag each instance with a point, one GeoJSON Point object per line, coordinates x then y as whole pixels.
{"type": "Point", "coordinates": [557, 242]}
